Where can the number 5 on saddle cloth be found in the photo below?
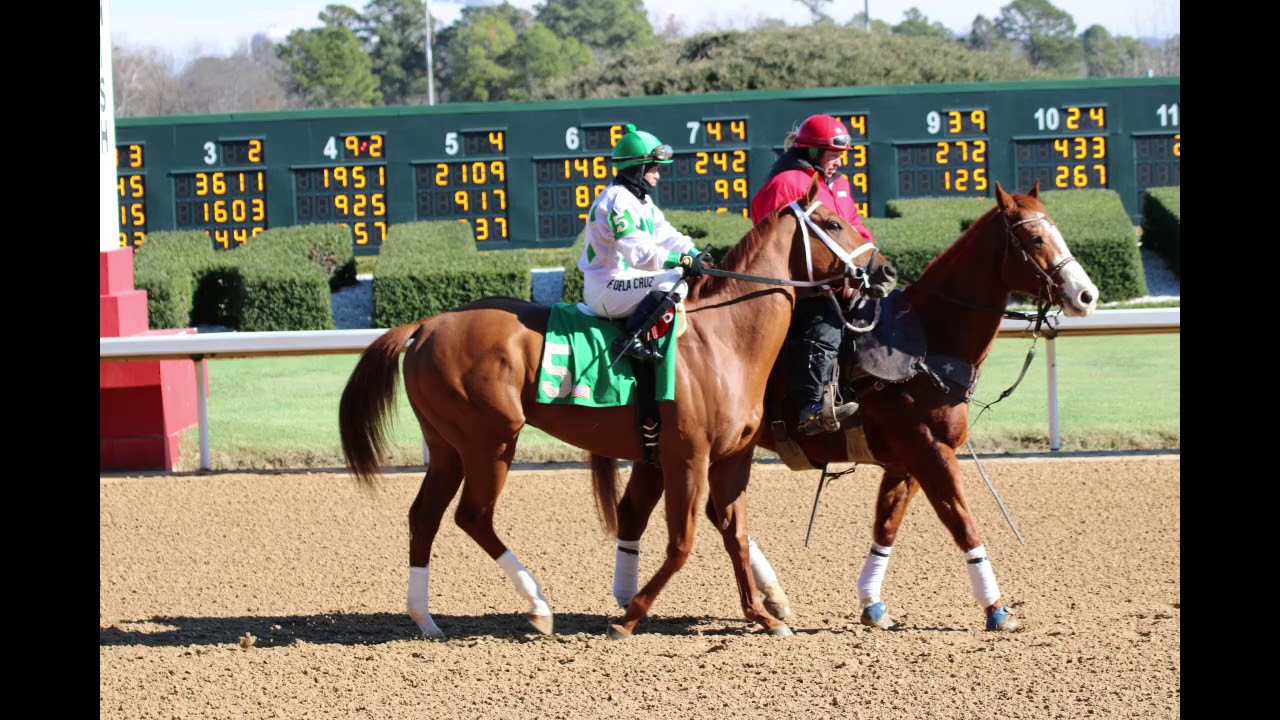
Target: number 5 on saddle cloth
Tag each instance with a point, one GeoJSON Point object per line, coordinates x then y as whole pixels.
{"type": "Point", "coordinates": [576, 369]}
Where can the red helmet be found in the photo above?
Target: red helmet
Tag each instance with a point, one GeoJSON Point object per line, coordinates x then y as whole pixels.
{"type": "Point", "coordinates": [823, 131]}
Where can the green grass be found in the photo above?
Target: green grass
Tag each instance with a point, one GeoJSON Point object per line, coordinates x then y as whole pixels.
{"type": "Point", "coordinates": [1114, 392]}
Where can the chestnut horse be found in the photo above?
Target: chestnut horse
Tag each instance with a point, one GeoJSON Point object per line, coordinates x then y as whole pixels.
{"type": "Point", "coordinates": [471, 376]}
{"type": "Point", "coordinates": [914, 427]}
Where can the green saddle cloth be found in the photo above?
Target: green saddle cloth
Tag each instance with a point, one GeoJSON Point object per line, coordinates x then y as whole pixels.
{"type": "Point", "coordinates": [575, 362]}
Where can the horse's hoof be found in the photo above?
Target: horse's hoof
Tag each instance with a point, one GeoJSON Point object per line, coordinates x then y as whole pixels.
{"type": "Point", "coordinates": [782, 631]}
{"type": "Point", "coordinates": [876, 615]}
{"type": "Point", "coordinates": [541, 623]}
{"type": "Point", "coordinates": [617, 632]}
{"type": "Point", "coordinates": [1000, 619]}
{"type": "Point", "coordinates": [775, 601]}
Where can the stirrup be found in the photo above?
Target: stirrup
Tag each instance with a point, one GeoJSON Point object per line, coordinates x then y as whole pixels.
{"type": "Point", "coordinates": [811, 422]}
{"type": "Point", "coordinates": [845, 411]}
{"type": "Point", "coordinates": [832, 414]}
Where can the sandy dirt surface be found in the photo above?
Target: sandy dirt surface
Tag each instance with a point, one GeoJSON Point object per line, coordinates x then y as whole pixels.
{"type": "Point", "coordinates": [314, 569]}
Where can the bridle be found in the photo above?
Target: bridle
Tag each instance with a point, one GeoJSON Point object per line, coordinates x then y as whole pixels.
{"type": "Point", "coordinates": [1046, 296]}
{"type": "Point", "coordinates": [1045, 299]}
{"type": "Point", "coordinates": [1048, 279]}
{"type": "Point", "coordinates": [860, 275]}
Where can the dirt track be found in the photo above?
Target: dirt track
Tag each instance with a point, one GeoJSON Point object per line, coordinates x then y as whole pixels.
{"type": "Point", "coordinates": [315, 569]}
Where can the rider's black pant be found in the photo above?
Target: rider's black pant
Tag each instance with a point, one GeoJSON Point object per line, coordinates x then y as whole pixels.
{"type": "Point", "coordinates": [812, 344]}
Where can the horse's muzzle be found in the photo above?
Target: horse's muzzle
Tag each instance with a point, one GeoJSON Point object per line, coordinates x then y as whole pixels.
{"type": "Point", "coordinates": [883, 279]}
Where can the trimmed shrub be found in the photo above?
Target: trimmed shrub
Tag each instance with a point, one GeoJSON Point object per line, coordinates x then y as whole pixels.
{"type": "Point", "coordinates": [1162, 224]}
{"type": "Point", "coordinates": [168, 266]}
{"type": "Point", "coordinates": [433, 266]}
{"type": "Point", "coordinates": [274, 298]}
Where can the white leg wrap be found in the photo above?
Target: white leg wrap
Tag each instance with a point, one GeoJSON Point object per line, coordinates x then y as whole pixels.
{"type": "Point", "coordinates": [871, 578]}
{"type": "Point", "coordinates": [626, 572]}
{"type": "Point", "coordinates": [760, 567]}
{"type": "Point", "coordinates": [981, 577]}
{"type": "Point", "coordinates": [418, 577]}
{"type": "Point", "coordinates": [524, 583]}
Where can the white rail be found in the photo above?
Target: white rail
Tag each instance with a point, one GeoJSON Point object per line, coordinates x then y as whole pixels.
{"type": "Point", "coordinates": [201, 348]}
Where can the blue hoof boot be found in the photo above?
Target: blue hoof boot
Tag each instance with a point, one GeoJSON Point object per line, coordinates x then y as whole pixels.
{"type": "Point", "coordinates": [877, 615]}
{"type": "Point", "coordinates": [1001, 619]}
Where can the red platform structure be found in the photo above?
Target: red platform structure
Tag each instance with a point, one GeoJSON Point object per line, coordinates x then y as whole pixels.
{"type": "Point", "coordinates": [143, 405]}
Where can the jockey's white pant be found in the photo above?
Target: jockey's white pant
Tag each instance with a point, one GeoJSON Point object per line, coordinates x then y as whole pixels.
{"type": "Point", "coordinates": [617, 298]}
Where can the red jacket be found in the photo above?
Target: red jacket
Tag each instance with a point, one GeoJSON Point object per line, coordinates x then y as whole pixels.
{"type": "Point", "coordinates": [789, 180]}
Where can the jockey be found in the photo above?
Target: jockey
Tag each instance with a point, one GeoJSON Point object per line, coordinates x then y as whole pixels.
{"type": "Point", "coordinates": [633, 261]}
{"type": "Point", "coordinates": [817, 326]}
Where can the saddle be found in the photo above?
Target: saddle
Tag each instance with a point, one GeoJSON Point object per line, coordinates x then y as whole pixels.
{"type": "Point", "coordinates": [577, 369]}
{"type": "Point", "coordinates": [894, 351]}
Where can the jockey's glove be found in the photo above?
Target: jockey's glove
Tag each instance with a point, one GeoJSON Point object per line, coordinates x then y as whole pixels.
{"type": "Point", "coordinates": [693, 264]}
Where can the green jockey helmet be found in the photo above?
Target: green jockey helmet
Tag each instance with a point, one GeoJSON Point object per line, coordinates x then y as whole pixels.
{"type": "Point", "coordinates": [637, 147]}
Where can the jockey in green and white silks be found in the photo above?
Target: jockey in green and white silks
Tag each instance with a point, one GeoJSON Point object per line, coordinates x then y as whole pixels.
{"type": "Point", "coordinates": [631, 256]}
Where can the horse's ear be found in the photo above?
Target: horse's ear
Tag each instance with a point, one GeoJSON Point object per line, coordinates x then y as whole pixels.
{"type": "Point", "coordinates": [813, 190]}
{"type": "Point", "coordinates": [1035, 189]}
{"type": "Point", "coordinates": [1004, 200]}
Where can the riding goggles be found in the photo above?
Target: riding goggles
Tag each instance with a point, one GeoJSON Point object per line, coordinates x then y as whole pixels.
{"type": "Point", "coordinates": [662, 153]}
{"type": "Point", "coordinates": [840, 142]}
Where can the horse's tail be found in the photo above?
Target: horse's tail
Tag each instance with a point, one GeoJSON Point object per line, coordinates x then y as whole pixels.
{"type": "Point", "coordinates": [604, 480]}
{"type": "Point", "coordinates": [369, 395]}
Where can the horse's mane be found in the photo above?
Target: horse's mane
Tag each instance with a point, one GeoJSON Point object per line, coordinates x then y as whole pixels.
{"type": "Point", "coordinates": [738, 257]}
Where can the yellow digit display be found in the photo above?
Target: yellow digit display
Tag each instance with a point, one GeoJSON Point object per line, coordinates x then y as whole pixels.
{"type": "Point", "coordinates": [131, 190]}
{"type": "Point", "coordinates": [855, 162]}
{"type": "Point", "coordinates": [362, 147]}
{"type": "Point", "coordinates": [229, 205]}
{"type": "Point", "coordinates": [1063, 163]}
{"type": "Point", "coordinates": [469, 191]}
{"type": "Point", "coordinates": [355, 195]}
{"type": "Point", "coordinates": [954, 166]}
{"type": "Point", "coordinates": [566, 187]}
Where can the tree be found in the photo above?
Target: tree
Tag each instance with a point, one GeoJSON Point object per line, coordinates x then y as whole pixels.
{"type": "Point", "coordinates": [478, 68]}
{"type": "Point", "coordinates": [1103, 56]}
{"type": "Point", "coordinates": [815, 9]}
{"type": "Point", "coordinates": [393, 33]}
{"type": "Point", "coordinates": [859, 22]}
{"type": "Point", "coordinates": [605, 26]}
{"type": "Point", "coordinates": [232, 84]}
{"type": "Point", "coordinates": [540, 56]}
{"type": "Point", "coordinates": [916, 24]}
{"type": "Point", "coordinates": [475, 57]}
{"type": "Point", "coordinates": [786, 58]}
{"type": "Point", "coordinates": [983, 35]}
{"type": "Point", "coordinates": [328, 68]}
{"type": "Point", "coordinates": [1045, 32]}
{"type": "Point", "coordinates": [144, 83]}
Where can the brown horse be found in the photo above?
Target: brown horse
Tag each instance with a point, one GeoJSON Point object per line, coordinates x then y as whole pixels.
{"type": "Point", "coordinates": [914, 427]}
{"type": "Point", "coordinates": [471, 373]}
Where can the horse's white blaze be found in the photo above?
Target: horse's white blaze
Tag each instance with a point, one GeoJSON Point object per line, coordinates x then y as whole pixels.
{"type": "Point", "coordinates": [1076, 285]}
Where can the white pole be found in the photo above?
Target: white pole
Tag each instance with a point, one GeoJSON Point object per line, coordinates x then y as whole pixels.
{"type": "Point", "coordinates": [109, 205]}
{"type": "Point", "coordinates": [431, 82]}
{"type": "Point", "coordinates": [1052, 369]}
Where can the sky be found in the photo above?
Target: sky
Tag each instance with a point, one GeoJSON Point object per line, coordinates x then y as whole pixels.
{"type": "Point", "coordinates": [193, 28]}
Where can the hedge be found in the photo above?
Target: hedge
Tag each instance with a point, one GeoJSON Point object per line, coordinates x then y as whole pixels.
{"type": "Point", "coordinates": [1162, 224]}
